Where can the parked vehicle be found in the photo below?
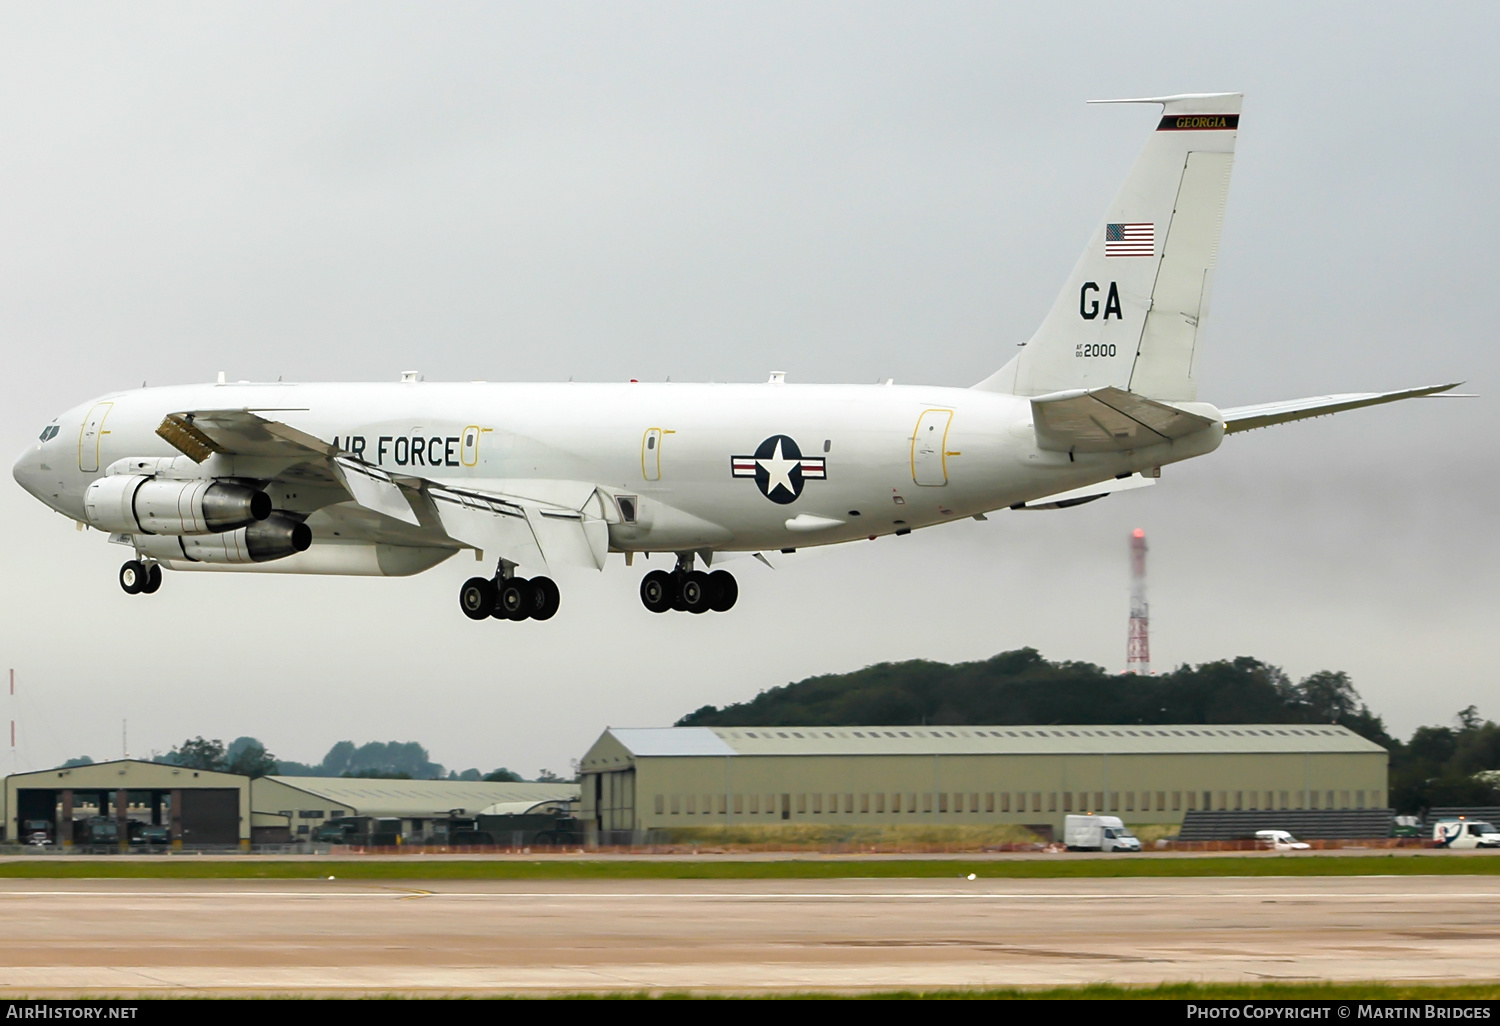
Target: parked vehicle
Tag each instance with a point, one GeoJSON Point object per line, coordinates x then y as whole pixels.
{"type": "Point", "coordinates": [1465, 833]}
{"type": "Point", "coordinates": [335, 831]}
{"type": "Point", "coordinates": [1098, 833]}
{"type": "Point", "coordinates": [151, 836]}
{"type": "Point", "coordinates": [96, 830]}
{"type": "Point", "coordinates": [37, 832]}
{"type": "Point", "coordinates": [470, 837]}
{"type": "Point", "coordinates": [1279, 840]}
{"type": "Point", "coordinates": [1407, 826]}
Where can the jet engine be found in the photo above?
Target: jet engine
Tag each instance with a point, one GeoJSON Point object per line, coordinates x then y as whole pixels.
{"type": "Point", "coordinates": [276, 537]}
{"type": "Point", "coordinates": [140, 504]}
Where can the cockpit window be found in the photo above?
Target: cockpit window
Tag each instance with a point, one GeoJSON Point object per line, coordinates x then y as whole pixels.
{"type": "Point", "coordinates": [49, 432]}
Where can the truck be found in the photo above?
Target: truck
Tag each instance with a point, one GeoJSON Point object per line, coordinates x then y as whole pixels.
{"type": "Point", "coordinates": [1465, 833]}
{"type": "Point", "coordinates": [1098, 833]}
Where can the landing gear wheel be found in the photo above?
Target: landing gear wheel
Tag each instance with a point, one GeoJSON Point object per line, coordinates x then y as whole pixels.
{"type": "Point", "coordinates": [153, 579]}
{"type": "Point", "coordinates": [477, 598]}
{"type": "Point", "coordinates": [547, 598]}
{"type": "Point", "coordinates": [696, 592]}
{"type": "Point", "coordinates": [658, 591]}
{"type": "Point", "coordinates": [723, 590]}
{"type": "Point", "coordinates": [514, 599]}
{"type": "Point", "coordinates": [133, 576]}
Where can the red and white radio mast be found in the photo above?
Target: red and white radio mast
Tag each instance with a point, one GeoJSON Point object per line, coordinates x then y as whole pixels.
{"type": "Point", "coordinates": [1138, 648]}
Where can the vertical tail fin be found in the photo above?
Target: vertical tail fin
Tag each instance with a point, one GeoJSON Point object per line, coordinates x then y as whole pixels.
{"type": "Point", "coordinates": [1132, 311]}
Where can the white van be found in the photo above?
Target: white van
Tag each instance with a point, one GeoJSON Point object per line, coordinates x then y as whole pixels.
{"type": "Point", "coordinates": [1279, 840]}
{"type": "Point", "coordinates": [1098, 833]}
{"type": "Point", "coordinates": [1465, 833]}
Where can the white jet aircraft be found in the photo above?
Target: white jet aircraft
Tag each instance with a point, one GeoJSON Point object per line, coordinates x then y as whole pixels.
{"type": "Point", "coordinates": [391, 479]}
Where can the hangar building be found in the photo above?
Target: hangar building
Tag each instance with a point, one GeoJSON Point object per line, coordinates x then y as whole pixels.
{"type": "Point", "coordinates": [105, 802]}
{"type": "Point", "coordinates": [636, 780]}
{"type": "Point", "coordinates": [302, 804]}
{"type": "Point", "coordinates": [97, 803]}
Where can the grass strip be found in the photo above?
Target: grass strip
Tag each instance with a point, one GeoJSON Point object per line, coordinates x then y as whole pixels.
{"type": "Point", "coordinates": [417, 868]}
{"type": "Point", "coordinates": [1298, 991]}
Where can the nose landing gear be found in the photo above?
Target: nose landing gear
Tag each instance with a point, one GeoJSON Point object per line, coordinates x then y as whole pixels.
{"type": "Point", "coordinates": [137, 578]}
{"type": "Point", "coordinates": [689, 590]}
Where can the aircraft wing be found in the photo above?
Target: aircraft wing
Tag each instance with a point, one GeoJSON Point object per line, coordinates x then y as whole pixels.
{"type": "Point", "coordinates": [1107, 419]}
{"type": "Point", "coordinates": [545, 522]}
{"type": "Point", "coordinates": [199, 434]}
{"type": "Point", "coordinates": [1248, 418]}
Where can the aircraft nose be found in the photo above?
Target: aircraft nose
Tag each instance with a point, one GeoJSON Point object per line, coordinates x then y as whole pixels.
{"type": "Point", "coordinates": [27, 470]}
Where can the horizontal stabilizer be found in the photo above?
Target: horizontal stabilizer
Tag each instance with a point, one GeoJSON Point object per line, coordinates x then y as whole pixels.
{"type": "Point", "coordinates": [1107, 419]}
{"type": "Point", "coordinates": [1247, 418]}
{"type": "Point", "coordinates": [1088, 493]}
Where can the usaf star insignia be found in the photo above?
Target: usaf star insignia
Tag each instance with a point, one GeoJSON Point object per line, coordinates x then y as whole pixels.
{"type": "Point", "coordinates": [779, 468]}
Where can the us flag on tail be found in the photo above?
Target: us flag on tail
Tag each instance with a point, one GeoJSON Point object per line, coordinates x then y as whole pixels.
{"type": "Point", "coordinates": [1128, 240]}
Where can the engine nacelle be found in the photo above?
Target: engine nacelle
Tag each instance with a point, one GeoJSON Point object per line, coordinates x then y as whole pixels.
{"type": "Point", "coordinates": [276, 537]}
{"type": "Point", "coordinates": [139, 504]}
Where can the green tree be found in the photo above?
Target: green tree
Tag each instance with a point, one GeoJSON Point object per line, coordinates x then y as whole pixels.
{"type": "Point", "coordinates": [1328, 696]}
{"type": "Point", "coordinates": [197, 753]}
{"type": "Point", "coordinates": [337, 762]}
{"type": "Point", "coordinates": [503, 775]}
{"type": "Point", "coordinates": [249, 757]}
{"type": "Point", "coordinates": [380, 759]}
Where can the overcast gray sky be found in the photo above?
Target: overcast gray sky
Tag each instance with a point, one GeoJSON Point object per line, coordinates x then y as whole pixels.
{"type": "Point", "coordinates": [710, 191]}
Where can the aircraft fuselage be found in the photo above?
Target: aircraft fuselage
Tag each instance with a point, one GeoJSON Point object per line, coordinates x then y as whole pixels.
{"type": "Point", "coordinates": [724, 467]}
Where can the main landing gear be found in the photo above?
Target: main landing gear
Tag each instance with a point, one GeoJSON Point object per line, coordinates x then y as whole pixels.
{"type": "Point", "coordinates": [509, 598]}
{"type": "Point", "coordinates": [139, 578]}
{"type": "Point", "coordinates": [690, 590]}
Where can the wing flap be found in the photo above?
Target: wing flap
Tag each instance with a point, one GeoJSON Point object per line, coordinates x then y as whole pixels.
{"type": "Point", "coordinates": [568, 537]}
{"type": "Point", "coordinates": [490, 524]}
{"type": "Point", "coordinates": [1248, 418]}
{"type": "Point", "coordinates": [373, 489]}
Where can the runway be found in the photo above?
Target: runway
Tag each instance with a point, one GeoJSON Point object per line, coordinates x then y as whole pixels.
{"type": "Point", "coordinates": [101, 937]}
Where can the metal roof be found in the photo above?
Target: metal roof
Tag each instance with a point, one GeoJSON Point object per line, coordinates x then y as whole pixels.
{"type": "Point", "coordinates": [1059, 739]}
{"type": "Point", "coordinates": [672, 741]}
{"type": "Point", "coordinates": [424, 798]}
{"type": "Point", "coordinates": [548, 805]}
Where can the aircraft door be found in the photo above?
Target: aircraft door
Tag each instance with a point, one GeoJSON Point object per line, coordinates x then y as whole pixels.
{"type": "Point", "coordinates": [651, 454]}
{"type": "Point", "coordinates": [468, 450]}
{"type": "Point", "coordinates": [88, 438]}
{"type": "Point", "coordinates": [929, 457]}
